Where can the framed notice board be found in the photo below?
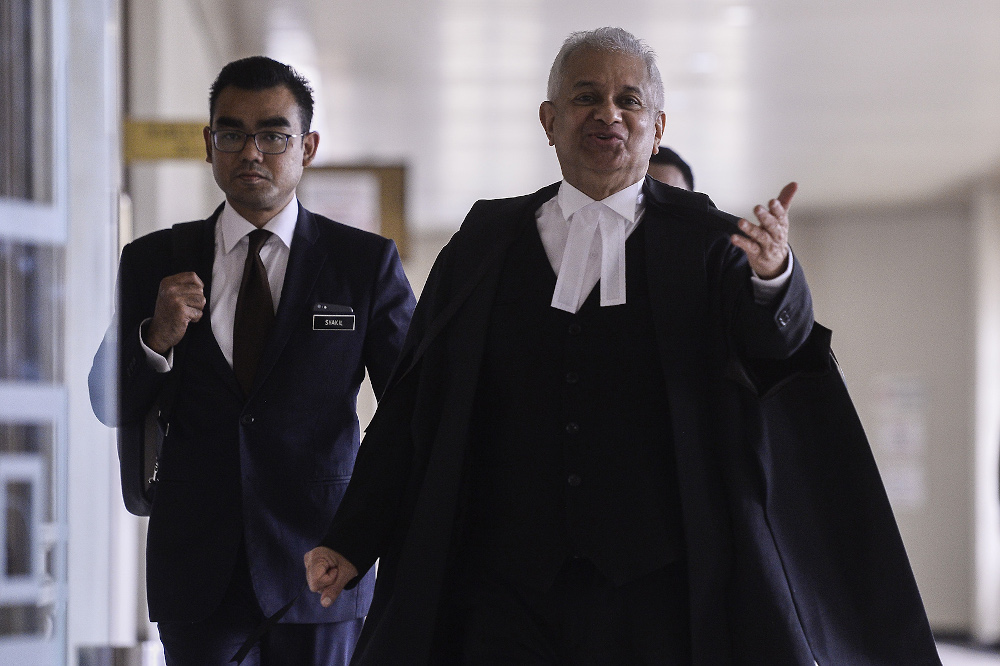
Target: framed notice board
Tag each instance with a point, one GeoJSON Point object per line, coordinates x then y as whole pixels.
{"type": "Point", "coordinates": [367, 196]}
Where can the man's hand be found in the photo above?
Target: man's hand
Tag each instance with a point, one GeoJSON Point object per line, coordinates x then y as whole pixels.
{"type": "Point", "coordinates": [180, 301]}
{"type": "Point", "coordinates": [766, 244]}
{"type": "Point", "coordinates": [328, 572]}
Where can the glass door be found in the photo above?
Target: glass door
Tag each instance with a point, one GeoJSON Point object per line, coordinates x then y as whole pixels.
{"type": "Point", "coordinates": [33, 408]}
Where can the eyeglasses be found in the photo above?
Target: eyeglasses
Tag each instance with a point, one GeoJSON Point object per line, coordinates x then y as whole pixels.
{"type": "Point", "coordinates": [269, 142]}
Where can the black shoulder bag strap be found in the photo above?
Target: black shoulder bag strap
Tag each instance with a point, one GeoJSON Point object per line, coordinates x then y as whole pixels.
{"type": "Point", "coordinates": [186, 244]}
{"type": "Point", "coordinates": [185, 248]}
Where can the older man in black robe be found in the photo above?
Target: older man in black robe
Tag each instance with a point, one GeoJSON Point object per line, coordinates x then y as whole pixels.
{"type": "Point", "coordinates": [574, 461]}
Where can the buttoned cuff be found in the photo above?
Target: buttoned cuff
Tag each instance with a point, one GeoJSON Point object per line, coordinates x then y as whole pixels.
{"type": "Point", "coordinates": [766, 292]}
{"type": "Point", "coordinates": [156, 361]}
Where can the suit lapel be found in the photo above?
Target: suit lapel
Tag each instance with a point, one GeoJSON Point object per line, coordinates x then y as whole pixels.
{"type": "Point", "coordinates": [305, 260]}
{"type": "Point", "coordinates": [677, 281]}
{"type": "Point", "coordinates": [201, 332]}
{"type": "Point", "coordinates": [676, 245]}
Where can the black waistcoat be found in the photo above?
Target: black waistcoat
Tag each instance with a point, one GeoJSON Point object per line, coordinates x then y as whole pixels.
{"type": "Point", "coordinates": [571, 435]}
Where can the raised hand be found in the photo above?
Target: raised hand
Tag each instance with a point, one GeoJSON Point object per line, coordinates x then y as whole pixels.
{"type": "Point", "coordinates": [766, 244]}
{"type": "Point", "coordinates": [180, 301]}
{"type": "Point", "coordinates": [327, 572]}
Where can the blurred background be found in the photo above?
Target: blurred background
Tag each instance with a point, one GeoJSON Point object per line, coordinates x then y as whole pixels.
{"type": "Point", "coordinates": [886, 113]}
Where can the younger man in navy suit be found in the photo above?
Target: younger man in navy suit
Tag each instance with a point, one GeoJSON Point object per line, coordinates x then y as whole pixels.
{"type": "Point", "coordinates": [270, 335]}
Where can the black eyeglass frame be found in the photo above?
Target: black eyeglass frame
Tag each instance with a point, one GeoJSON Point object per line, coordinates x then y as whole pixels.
{"type": "Point", "coordinates": [247, 135]}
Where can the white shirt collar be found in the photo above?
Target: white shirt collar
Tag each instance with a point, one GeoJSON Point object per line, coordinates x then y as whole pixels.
{"type": "Point", "coordinates": [627, 202]}
{"type": "Point", "coordinates": [234, 226]}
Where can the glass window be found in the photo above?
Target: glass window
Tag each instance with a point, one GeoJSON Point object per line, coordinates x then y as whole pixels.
{"type": "Point", "coordinates": [25, 101]}
{"type": "Point", "coordinates": [30, 312]}
{"type": "Point", "coordinates": [27, 549]}
{"type": "Point", "coordinates": [32, 323]}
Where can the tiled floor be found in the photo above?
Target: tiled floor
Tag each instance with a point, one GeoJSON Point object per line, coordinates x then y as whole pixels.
{"type": "Point", "coordinates": [953, 655]}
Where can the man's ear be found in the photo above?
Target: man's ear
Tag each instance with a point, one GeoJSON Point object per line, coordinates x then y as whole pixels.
{"type": "Point", "coordinates": [310, 143]}
{"type": "Point", "coordinates": [661, 122]}
{"type": "Point", "coordinates": [547, 115]}
{"type": "Point", "coordinates": [207, 132]}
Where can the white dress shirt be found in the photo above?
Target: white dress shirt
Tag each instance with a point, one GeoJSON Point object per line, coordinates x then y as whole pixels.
{"type": "Point", "coordinates": [553, 219]}
{"type": "Point", "coordinates": [231, 245]}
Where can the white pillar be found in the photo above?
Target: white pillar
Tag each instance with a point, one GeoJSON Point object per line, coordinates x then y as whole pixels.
{"type": "Point", "coordinates": [986, 255]}
{"type": "Point", "coordinates": [101, 585]}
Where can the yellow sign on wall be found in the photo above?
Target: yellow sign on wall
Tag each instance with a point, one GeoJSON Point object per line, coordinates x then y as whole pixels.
{"type": "Point", "coordinates": [159, 140]}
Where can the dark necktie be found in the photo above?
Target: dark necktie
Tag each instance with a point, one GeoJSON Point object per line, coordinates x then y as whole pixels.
{"type": "Point", "coordinates": [254, 313]}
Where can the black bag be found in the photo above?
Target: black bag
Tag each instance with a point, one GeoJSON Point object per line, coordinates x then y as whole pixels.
{"type": "Point", "coordinates": [139, 444]}
{"type": "Point", "coordinates": [139, 447]}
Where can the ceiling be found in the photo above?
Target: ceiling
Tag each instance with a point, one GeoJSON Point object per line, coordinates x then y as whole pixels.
{"type": "Point", "coordinates": [860, 101]}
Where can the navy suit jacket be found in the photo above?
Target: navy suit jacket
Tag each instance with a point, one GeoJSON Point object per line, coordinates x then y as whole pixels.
{"type": "Point", "coordinates": [264, 472]}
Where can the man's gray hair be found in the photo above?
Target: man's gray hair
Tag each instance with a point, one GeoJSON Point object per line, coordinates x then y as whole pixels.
{"type": "Point", "coordinates": [614, 40]}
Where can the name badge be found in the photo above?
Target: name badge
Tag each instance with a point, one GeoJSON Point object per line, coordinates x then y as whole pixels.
{"type": "Point", "coordinates": [333, 322]}
{"type": "Point", "coordinates": [327, 317]}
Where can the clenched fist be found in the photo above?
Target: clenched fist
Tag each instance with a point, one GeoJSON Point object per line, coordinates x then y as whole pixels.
{"type": "Point", "coordinates": [327, 572]}
{"type": "Point", "coordinates": [180, 301]}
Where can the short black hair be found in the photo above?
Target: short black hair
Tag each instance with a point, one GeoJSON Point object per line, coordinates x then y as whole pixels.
{"type": "Point", "coordinates": [261, 73]}
{"type": "Point", "coordinates": [667, 156]}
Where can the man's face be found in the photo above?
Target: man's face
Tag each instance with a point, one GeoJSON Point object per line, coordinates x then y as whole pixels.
{"type": "Point", "coordinates": [259, 185]}
{"type": "Point", "coordinates": [669, 174]}
{"type": "Point", "coordinates": [602, 121]}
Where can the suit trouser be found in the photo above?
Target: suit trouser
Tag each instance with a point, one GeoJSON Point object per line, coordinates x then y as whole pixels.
{"type": "Point", "coordinates": [583, 619]}
{"type": "Point", "coordinates": [214, 641]}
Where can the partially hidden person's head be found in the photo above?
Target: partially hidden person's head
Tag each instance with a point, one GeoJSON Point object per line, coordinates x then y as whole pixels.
{"type": "Point", "coordinates": [604, 112]}
{"type": "Point", "coordinates": [666, 166]}
{"type": "Point", "coordinates": [258, 140]}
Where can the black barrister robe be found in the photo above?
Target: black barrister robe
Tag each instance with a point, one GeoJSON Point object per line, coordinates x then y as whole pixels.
{"type": "Point", "coordinates": [792, 550]}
